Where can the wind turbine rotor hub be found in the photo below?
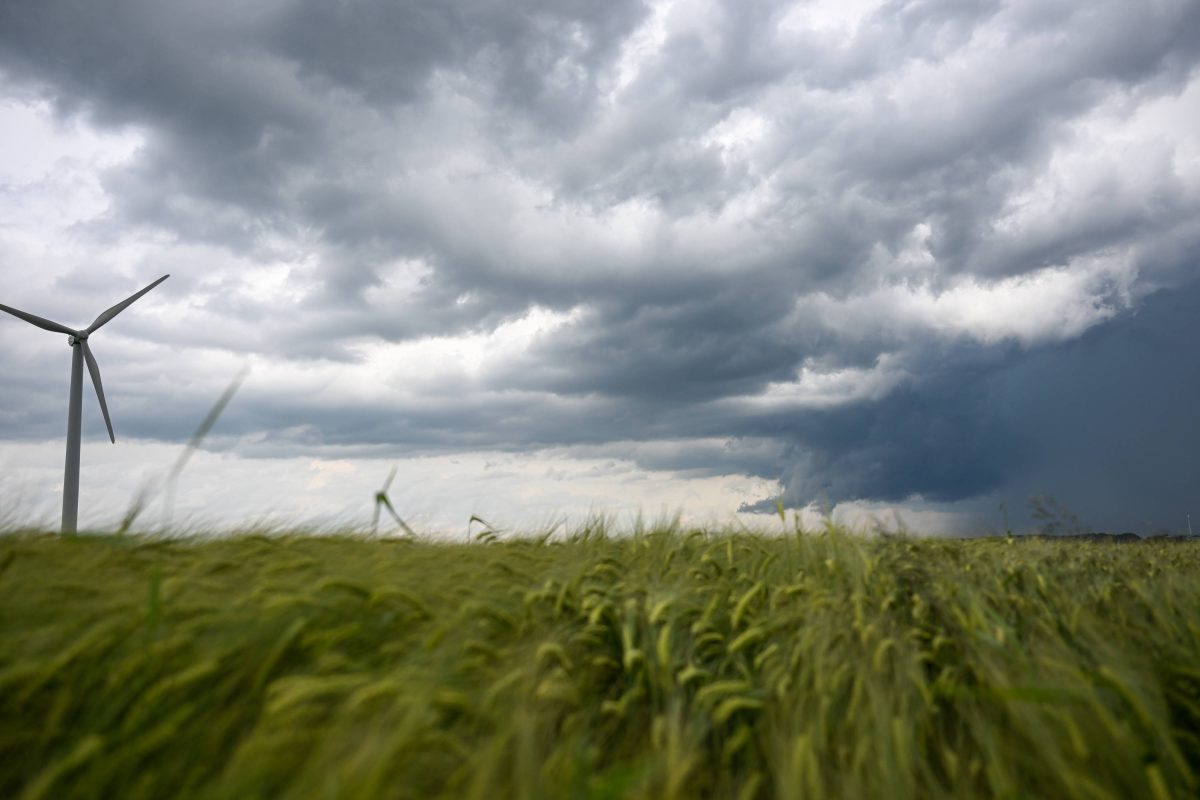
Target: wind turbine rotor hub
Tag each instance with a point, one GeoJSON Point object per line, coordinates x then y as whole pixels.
{"type": "Point", "coordinates": [76, 338]}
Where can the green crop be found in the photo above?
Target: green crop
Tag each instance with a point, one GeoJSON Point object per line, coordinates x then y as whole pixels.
{"type": "Point", "coordinates": [663, 664]}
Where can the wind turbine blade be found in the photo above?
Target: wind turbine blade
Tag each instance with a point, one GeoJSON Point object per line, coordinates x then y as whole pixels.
{"type": "Point", "coordinates": [41, 322]}
{"type": "Point", "coordinates": [94, 370]}
{"type": "Point", "coordinates": [388, 483]}
{"type": "Point", "coordinates": [388, 505]}
{"type": "Point", "coordinates": [121, 306]}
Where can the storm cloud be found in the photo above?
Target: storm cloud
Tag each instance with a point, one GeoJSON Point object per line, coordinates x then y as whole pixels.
{"type": "Point", "coordinates": [939, 251]}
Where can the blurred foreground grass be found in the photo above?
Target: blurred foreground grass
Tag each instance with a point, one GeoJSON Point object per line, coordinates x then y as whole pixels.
{"type": "Point", "coordinates": [665, 664]}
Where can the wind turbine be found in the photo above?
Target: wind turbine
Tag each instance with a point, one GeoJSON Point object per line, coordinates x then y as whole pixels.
{"type": "Point", "coordinates": [80, 352]}
{"type": "Point", "coordinates": [381, 499]}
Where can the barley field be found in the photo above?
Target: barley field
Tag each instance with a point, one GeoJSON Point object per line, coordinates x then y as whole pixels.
{"type": "Point", "coordinates": [665, 663]}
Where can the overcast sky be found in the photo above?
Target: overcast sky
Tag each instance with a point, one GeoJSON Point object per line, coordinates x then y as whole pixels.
{"type": "Point", "coordinates": [928, 257]}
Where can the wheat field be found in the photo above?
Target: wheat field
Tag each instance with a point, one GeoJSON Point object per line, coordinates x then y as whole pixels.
{"type": "Point", "coordinates": [664, 663]}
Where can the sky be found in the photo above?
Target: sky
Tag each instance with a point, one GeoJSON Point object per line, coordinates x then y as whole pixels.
{"type": "Point", "coordinates": [909, 262]}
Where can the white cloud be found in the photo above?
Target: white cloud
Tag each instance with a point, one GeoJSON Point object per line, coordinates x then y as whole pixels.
{"type": "Point", "coordinates": [327, 469]}
{"type": "Point", "coordinates": [51, 180]}
{"type": "Point", "coordinates": [411, 367]}
{"type": "Point", "coordinates": [834, 18]}
{"type": "Point", "coordinates": [1046, 305]}
{"type": "Point", "coordinates": [642, 46]}
{"type": "Point", "coordinates": [38, 146]}
{"type": "Point", "coordinates": [815, 388]}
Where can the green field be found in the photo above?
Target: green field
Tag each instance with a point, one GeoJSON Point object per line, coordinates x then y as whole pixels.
{"type": "Point", "coordinates": [661, 664]}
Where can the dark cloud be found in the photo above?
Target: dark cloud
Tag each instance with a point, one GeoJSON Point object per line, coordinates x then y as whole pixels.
{"type": "Point", "coordinates": [1094, 422]}
{"type": "Point", "coordinates": [669, 349]}
{"type": "Point", "coordinates": [942, 439]}
{"type": "Point", "coordinates": [1109, 419]}
{"type": "Point", "coordinates": [867, 254]}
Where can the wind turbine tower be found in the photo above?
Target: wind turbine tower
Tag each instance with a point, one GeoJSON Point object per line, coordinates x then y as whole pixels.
{"type": "Point", "coordinates": [80, 352]}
